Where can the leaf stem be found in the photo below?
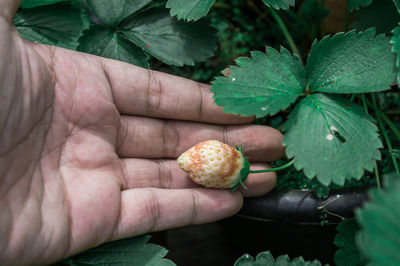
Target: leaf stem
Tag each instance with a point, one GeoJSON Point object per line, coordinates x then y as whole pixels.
{"type": "Point", "coordinates": [285, 31]}
{"type": "Point", "coordinates": [378, 181]}
{"type": "Point", "coordinates": [273, 169]}
{"type": "Point", "coordinates": [392, 126]}
{"type": "Point", "coordinates": [364, 103]}
{"type": "Point", "coordinates": [392, 112]}
{"type": "Point", "coordinates": [280, 128]}
{"type": "Point", "coordinates": [385, 135]}
{"type": "Point", "coordinates": [387, 120]}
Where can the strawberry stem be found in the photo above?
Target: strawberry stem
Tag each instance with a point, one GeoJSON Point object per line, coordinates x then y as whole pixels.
{"type": "Point", "coordinates": [273, 169]}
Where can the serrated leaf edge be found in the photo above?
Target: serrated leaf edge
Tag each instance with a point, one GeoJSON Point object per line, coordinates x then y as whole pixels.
{"type": "Point", "coordinates": [396, 52]}
{"type": "Point", "coordinates": [312, 175]}
{"type": "Point", "coordinates": [228, 71]}
{"type": "Point", "coordinates": [371, 32]}
{"type": "Point", "coordinates": [188, 19]}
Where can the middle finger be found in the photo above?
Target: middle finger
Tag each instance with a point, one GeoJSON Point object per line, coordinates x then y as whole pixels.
{"type": "Point", "coordinates": [141, 137]}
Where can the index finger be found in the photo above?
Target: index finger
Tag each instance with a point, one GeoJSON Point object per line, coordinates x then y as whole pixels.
{"type": "Point", "coordinates": [143, 92]}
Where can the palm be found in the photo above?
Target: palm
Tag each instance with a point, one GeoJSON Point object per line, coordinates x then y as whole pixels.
{"type": "Point", "coordinates": [89, 158]}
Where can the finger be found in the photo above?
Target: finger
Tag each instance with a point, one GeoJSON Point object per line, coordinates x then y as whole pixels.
{"type": "Point", "coordinates": [258, 184]}
{"type": "Point", "coordinates": [142, 173]}
{"type": "Point", "coordinates": [8, 9]}
{"type": "Point", "coordinates": [151, 209]}
{"type": "Point", "coordinates": [141, 137]}
{"type": "Point", "coordinates": [144, 92]}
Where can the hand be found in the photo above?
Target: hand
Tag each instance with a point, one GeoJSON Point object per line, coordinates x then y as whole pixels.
{"type": "Point", "coordinates": [88, 148]}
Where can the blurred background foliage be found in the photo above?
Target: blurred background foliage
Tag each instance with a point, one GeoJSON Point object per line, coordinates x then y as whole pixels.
{"type": "Point", "coordinates": [247, 25]}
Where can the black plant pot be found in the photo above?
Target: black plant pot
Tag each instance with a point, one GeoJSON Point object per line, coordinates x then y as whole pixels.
{"type": "Point", "coordinates": [304, 207]}
{"type": "Point", "coordinates": [284, 222]}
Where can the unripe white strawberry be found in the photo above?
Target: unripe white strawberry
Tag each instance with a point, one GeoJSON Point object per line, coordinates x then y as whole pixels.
{"type": "Point", "coordinates": [215, 164]}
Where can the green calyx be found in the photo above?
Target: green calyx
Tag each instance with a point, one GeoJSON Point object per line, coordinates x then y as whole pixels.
{"type": "Point", "coordinates": [244, 172]}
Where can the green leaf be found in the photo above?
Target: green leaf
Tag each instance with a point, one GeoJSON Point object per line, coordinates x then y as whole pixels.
{"type": "Point", "coordinates": [348, 253]}
{"type": "Point", "coordinates": [266, 259]}
{"type": "Point", "coordinates": [132, 251]}
{"type": "Point", "coordinates": [261, 85]}
{"type": "Point", "coordinates": [397, 3]}
{"type": "Point", "coordinates": [35, 3]}
{"type": "Point", "coordinates": [379, 239]}
{"type": "Point", "coordinates": [103, 41]}
{"type": "Point", "coordinates": [114, 12]}
{"type": "Point", "coordinates": [351, 63]}
{"type": "Point", "coordinates": [279, 4]}
{"type": "Point", "coordinates": [396, 49]}
{"type": "Point", "coordinates": [59, 24]}
{"type": "Point", "coordinates": [396, 153]}
{"type": "Point", "coordinates": [169, 40]}
{"type": "Point", "coordinates": [380, 14]}
{"type": "Point", "coordinates": [331, 138]}
{"type": "Point", "coordinates": [189, 9]}
{"type": "Point", "coordinates": [355, 4]}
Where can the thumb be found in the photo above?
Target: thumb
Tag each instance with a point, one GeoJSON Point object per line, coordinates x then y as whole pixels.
{"type": "Point", "coordinates": [9, 9]}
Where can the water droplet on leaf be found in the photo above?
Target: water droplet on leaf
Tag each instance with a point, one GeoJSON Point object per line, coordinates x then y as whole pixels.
{"type": "Point", "coordinates": [329, 137]}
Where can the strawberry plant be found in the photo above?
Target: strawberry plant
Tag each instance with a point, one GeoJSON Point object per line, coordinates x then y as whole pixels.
{"type": "Point", "coordinates": [334, 95]}
{"type": "Point", "coordinates": [337, 129]}
{"type": "Point", "coordinates": [117, 29]}
{"type": "Point", "coordinates": [266, 258]}
{"type": "Point", "coordinates": [134, 251]}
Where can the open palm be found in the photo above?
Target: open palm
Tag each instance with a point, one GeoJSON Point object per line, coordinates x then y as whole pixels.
{"type": "Point", "coordinates": [88, 145]}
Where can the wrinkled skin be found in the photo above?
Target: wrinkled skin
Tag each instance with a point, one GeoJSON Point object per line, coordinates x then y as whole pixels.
{"type": "Point", "coordinates": [87, 150]}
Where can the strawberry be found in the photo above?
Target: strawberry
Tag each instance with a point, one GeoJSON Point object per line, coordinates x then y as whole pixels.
{"type": "Point", "coordinates": [215, 164]}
